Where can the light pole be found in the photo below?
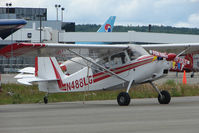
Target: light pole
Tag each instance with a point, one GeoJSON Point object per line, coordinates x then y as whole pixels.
{"type": "Point", "coordinates": [8, 5]}
{"type": "Point", "coordinates": [12, 58]}
{"type": "Point", "coordinates": [57, 7]}
{"type": "Point", "coordinates": [40, 24]}
{"type": "Point", "coordinates": [62, 14]}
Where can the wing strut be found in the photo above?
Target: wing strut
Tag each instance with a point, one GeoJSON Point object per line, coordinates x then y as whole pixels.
{"type": "Point", "coordinates": [112, 73]}
{"type": "Point", "coordinates": [184, 51]}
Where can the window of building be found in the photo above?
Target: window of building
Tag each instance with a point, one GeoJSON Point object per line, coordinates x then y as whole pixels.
{"type": "Point", "coordinates": [29, 35]}
{"type": "Point", "coordinates": [12, 10]}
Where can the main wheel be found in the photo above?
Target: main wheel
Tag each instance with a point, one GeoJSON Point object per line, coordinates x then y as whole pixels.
{"type": "Point", "coordinates": [123, 99]}
{"type": "Point", "coordinates": [165, 99]}
{"type": "Point", "coordinates": [45, 99]}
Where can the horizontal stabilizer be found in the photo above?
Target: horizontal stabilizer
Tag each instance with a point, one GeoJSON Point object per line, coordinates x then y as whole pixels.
{"type": "Point", "coordinates": [28, 81]}
{"type": "Point", "coordinates": [21, 75]}
{"type": "Point", "coordinates": [27, 70]}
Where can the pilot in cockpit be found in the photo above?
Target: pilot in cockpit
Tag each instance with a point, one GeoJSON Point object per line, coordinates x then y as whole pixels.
{"type": "Point", "coordinates": [130, 54]}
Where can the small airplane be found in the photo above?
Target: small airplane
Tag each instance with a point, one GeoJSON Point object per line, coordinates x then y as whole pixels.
{"type": "Point", "coordinates": [107, 66]}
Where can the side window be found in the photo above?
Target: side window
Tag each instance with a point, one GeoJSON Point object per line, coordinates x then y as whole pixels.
{"type": "Point", "coordinates": [114, 61]}
{"type": "Point", "coordinates": [118, 59]}
{"type": "Point", "coordinates": [104, 62]}
{"type": "Point", "coordinates": [131, 54]}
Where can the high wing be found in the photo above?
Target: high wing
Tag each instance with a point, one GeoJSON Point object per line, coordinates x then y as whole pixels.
{"type": "Point", "coordinates": [60, 50]}
{"type": "Point", "coordinates": [174, 48]}
{"type": "Point", "coordinates": [87, 50]}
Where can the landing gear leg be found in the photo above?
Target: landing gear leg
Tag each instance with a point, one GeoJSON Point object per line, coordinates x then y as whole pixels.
{"type": "Point", "coordinates": [46, 98]}
{"type": "Point", "coordinates": [123, 99]}
{"type": "Point", "coordinates": [163, 97]}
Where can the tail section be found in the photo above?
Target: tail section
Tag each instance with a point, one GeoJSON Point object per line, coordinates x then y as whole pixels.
{"type": "Point", "coordinates": [46, 69]}
{"type": "Point", "coordinates": [108, 25]}
{"type": "Point", "coordinates": [48, 75]}
{"type": "Point", "coordinates": [51, 79]}
{"type": "Point", "coordinates": [49, 69]}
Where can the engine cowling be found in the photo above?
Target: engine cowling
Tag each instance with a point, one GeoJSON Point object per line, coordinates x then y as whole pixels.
{"type": "Point", "coordinates": [171, 56]}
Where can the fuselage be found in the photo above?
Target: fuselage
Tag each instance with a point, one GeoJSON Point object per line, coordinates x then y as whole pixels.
{"type": "Point", "coordinates": [132, 64]}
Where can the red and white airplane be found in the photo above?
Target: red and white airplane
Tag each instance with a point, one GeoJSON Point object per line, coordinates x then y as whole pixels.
{"type": "Point", "coordinates": [106, 66]}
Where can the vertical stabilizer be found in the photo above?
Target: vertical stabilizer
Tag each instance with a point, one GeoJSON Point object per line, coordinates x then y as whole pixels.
{"type": "Point", "coordinates": [48, 68]}
{"type": "Point", "coordinates": [108, 25]}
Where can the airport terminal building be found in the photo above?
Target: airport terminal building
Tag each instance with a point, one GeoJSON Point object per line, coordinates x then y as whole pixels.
{"type": "Point", "coordinates": [53, 31]}
{"type": "Point", "coordinates": [36, 19]}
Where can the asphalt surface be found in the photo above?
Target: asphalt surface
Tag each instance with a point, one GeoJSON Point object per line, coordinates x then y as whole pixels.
{"type": "Point", "coordinates": [142, 116]}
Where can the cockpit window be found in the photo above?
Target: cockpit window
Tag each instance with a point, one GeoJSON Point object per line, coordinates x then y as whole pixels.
{"type": "Point", "coordinates": [110, 62]}
{"type": "Point", "coordinates": [104, 62]}
{"type": "Point", "coordinates": [118, 59]}
{"type": "Point", "coordinates": [133, 54]}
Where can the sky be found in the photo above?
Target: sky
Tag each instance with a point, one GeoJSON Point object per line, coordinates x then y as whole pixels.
{"type": "Point", "coordinates": [178, 13]}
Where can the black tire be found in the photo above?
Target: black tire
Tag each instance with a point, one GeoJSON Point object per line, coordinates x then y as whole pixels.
{"type": "Point", "coordinates": [123, 99]}
{"type": "Point", "coordinates": [166, 97]}
{"type": "Point", "coordinates": [45, 100]}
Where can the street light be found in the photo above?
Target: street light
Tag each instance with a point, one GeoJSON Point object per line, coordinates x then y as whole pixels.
{"type": "Point", "coordinates": [12, 58]}
{"type": "Point", "coordinates": [8, 5]}
{"type": "Point", "coordinates": [40, 24]}
{"type": "Point", "coordinates": [62, 14]}
{"type": "Point", "coordinates": [57, 6]}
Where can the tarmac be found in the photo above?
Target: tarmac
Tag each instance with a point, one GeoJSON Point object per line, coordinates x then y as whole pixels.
{"type": "Point", "coordinates": [141, 116]}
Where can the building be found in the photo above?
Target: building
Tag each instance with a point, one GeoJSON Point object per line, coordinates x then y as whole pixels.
{"type": "Point", "coordinates": [37, 29]}
{"type": "Point", "coordinates": [30, 14]}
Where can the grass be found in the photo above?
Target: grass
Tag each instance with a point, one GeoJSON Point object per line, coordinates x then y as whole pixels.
{"type": "Point", "coordinates": [17, 94]}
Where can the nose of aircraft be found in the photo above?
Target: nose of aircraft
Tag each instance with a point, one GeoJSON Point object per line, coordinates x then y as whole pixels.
{"type": "Point", "coordinates": [171, 56]}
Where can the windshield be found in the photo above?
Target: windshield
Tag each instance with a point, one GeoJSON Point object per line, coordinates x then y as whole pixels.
{"type": "Point", "coordinates": [135, 51]}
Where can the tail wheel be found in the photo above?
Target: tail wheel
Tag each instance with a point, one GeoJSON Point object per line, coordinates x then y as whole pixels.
{"type": "Point", "coordinates": [165, 99]}
{"type": "Point", "coordinates": [45, 99]}
{"type": "Point", "coordinates": [123, 99]}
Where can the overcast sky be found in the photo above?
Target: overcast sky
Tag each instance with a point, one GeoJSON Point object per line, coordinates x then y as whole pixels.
{"type": "Point", "coordinates": [180, 13]}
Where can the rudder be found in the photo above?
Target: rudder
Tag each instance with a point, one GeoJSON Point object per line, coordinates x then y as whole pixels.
{"type": "Point", "coordinates": [108, 25]}
{"type": "Point", "coordinates": [48, 68]}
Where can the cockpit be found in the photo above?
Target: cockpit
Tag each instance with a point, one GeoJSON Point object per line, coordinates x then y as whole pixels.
{"type": "Point", "coordinates": [120, 59]}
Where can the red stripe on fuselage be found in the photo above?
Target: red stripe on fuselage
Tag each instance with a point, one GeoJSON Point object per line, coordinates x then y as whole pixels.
{"type": "Point", "coordinates": [146, 57]}
{"type": "Point", "coordinates": [120, 69]}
